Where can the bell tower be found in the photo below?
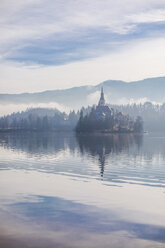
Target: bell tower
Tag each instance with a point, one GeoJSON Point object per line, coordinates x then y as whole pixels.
{"type": "Point", "coordinates": [102, 100]}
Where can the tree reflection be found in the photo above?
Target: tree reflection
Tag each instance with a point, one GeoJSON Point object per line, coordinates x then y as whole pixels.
{"type": "Point", "coordinates": [41, 143]}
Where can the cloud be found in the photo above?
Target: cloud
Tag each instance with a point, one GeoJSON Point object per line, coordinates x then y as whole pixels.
{"type": "Point", "coordinates": [151, 16]}
{"type": "Point", "coordinates": [93, 98]}
{"type": "Point", "coordinates": [125, 101]}
{"type": "Point", "coordinates": [77, 42]}
{"type": "Point", "coordinates": [27, 24]}
{"type": "Point", "coordinates": [7, 109]}
{"type": "Point", "coordinates": [134, 61]}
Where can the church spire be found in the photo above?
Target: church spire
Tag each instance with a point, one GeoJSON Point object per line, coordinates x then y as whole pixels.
{"type": "Point", "coordinates": [102, 100]}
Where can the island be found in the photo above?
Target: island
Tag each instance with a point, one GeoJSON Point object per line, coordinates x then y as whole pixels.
{"type": "Point", "coordinates": [104, 119]}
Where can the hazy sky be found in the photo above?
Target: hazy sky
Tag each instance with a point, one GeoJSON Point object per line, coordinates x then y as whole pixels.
{"type": "Point", "coordinates": [47, 44]}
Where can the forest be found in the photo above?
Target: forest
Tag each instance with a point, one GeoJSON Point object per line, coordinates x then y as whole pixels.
{"type": "Point", "coordinates": [108, 122]}
{"type": "Point", "coordinates": [153, 116]}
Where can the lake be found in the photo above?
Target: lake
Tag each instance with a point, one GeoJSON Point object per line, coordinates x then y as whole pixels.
{"type": "Point", "coordinates": [65, 191]}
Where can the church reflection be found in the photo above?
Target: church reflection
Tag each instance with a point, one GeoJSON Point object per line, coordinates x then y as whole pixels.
{"type": "Point", "coordinates": [100, 146]}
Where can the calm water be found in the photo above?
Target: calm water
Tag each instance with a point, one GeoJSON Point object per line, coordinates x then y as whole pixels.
{"type": "Point", "coordinates": [100, 191]}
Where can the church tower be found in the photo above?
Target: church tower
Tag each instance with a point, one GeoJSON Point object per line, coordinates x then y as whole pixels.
{"type": "Point", "coordinates": [102, 100]}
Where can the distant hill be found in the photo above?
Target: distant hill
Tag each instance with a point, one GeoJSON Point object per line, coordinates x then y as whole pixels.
{"type": "Point", "coordinates": [116, 92]}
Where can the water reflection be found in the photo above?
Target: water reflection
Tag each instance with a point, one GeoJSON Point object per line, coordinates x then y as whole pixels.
{"type": "Point", "coordinates": [49, 147]}
{"type": "Point", "coordinates": [71, 224]}
{"type": "Point", "coordinates": [50, 195]}
{"type": "Point", "coordinates": [48, 143]}
{"type": "Point", "coordinates": [102, 145]}
{"type": "Point", "coordinates": [119, 158]}
{"type": "Point", "coordinates": [42, 143]}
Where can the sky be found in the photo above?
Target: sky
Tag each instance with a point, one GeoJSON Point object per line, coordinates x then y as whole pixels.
{"type": "Point", "coordinates": [46, 45]}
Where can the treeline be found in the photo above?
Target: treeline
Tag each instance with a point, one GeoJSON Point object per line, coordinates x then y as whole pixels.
{"type": "Point", "coordinates": [39, 119]}
{"type": "Point", "coordinates": [115, 122]}
{"type": "Point", "coordinates": [153, 115]}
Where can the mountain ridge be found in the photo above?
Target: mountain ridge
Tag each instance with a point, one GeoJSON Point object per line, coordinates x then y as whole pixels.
{"type": "Point", "coordinates": [150, 89]}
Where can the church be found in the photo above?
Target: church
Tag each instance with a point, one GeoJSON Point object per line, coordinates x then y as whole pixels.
{"type": "Point", "coordinates": [102, 110]}
{"type": "Point", "coordinates": [102, 118]}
